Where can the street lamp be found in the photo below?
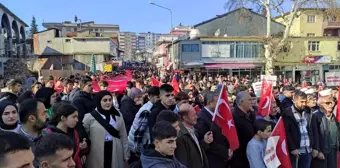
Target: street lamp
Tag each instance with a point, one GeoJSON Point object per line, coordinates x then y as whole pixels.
{"type": "Point", "coordinates": [172, 37]}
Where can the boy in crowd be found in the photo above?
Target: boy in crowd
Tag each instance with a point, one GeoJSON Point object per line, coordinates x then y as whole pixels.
{"type": "Point", "coordinates": [161, 152]}
{"type": "Point", "coordinates": [171, 117]}
{"type": "Point", "coordinates": [15, 151]}
{"type": "Point", "coordinates": [55, 150]}
{"type": "Point", "coordinates": [257, 146]}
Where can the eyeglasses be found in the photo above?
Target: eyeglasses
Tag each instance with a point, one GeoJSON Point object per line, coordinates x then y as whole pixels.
{"type": "Point", "coordinates": [329, 103]}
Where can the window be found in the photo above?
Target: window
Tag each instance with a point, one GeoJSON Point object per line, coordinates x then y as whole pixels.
{"type": "Point", "coordinates": [338, 45]}
{"type": "Point", "coordinates": [311, 18]}
{"type": "Point", "coordinates": [313, 45]}
{"type": "Point", "coordinates": [310, 34]}
{"type": "Point", "coordinates": [75, 29]}
{"type": "Point", "coordinates": [67, 40]}
{"type": "Point", "coordinates": [331, 19]}
{"type": "Point", "coordinates": [190, 48]}
{"type": "Point", "coordinates": [68, 29]}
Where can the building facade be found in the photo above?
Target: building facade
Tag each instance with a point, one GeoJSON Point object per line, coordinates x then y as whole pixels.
{"type": "Point", "coordinates": [12, 37]}
{"type": "Point", "coordinates": [128, 44]}
{"type": "Point", "coordinates": [71, 54]}
{"type": "Point", "coordinates": [314, 22]}
{"type": "Point", "coordinates": [67, 27]}
{"type": "Point", "coordinates": [233, 55]}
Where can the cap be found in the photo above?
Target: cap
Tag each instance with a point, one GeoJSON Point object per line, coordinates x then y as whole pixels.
{"type": "Point", "coordinates": [325, 93]}
{"type": "Point", "coordinates": [304, 90]}
{"type": "Point", "coordinates": [310, 91]}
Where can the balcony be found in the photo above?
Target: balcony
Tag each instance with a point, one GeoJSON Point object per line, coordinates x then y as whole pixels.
{"type": "Point", "coordinates": [331, 25]}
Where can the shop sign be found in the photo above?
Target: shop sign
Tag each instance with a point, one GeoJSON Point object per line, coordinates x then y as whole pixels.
{"type": "Point", "coordinates": [319, 59]}
{"type": "Point", "coordinates": [332, 78]}
{"type": "Point", "coordinates": [107, 67]}
{"type": "Point", "coordinates": [270, 78]}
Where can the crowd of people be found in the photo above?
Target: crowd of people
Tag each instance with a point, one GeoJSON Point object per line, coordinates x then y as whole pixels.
{"type": "Point", "coordinates": [64, 124]}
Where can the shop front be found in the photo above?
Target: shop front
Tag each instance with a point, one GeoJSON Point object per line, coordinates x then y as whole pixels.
{"type": "Point", "coordinates": [235, 69]}
{"type": "Point", "coordinates": [311, 68]}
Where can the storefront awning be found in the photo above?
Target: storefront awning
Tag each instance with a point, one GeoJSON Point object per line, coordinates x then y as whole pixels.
{"type": "Point", "coordinates": [229, 66]}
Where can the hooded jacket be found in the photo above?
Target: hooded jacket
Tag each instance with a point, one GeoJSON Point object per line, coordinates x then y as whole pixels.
{"type": "Point", "coordinates": [153, 159]}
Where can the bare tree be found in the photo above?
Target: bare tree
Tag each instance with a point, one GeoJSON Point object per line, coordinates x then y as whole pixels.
{"type": "Point", "coordinates": [273, 45]}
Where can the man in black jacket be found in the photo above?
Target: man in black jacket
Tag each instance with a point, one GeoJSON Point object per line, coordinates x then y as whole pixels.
{"type": "Point", "coordinates": [244, 120]}
{"type": "Point", "coordinates": [218, 152]}
{"type": "Point", "coordinates": [297, 123]}
{"type": "Point", "coordinates": [286, 97]}
{"type": "Point", "coordinates": [84, 102]}
{"type": "Point", "coordinates": [167, 102]}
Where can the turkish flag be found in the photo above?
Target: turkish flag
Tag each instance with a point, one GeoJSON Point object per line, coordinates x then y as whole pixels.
{"type": "Point", "coordinates": [266, 98]}
{"type": "Point", "coordinates": [337, 115]}
{"type": "Point", "coordinates": [155, 82]}
{"type": "Point", "coordinates": [276, 154]}
{"type": "Point", "coordinates": [224, 119]}
{"type": "Point", "coordinates": [174, 84]}
{"type": "Point", "coordinates": [95, 87]}
{"type": "Point", "coordinates": [197, 109]}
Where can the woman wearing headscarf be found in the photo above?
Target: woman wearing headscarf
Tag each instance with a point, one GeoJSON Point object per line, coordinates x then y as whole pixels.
{"type": "Point", "coordinates": [106, 129]}
{"type": "Point", "coordinates": [130, 105]}
{"type": "Point", "coordinates": [9, 116]}
{"type": "Point", "coordinates": [49, 97]}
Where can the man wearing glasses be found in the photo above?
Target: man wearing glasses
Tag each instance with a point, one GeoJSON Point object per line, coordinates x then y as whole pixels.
{"type": "Point", "coordinates": [325, 133]}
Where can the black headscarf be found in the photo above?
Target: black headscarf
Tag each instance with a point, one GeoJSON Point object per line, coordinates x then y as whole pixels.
{"type": "Point", "coordinates": [3, 105]}
{"type": "Point", "coordinates": [44, 94]}
{"type": "Point", "coordinates": [106, 113]}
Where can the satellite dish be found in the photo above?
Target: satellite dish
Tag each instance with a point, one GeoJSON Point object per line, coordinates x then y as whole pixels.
{"type": "Point", "coordinates": [217, 33]}
{"type": "Point", "coordinates": [194, 33]}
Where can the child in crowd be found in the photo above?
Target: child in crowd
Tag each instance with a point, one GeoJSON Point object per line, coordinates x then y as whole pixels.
{"type": "Point", "coordinates": [161, 152]}
{"type": "Point", "coordinates": [257, 146]}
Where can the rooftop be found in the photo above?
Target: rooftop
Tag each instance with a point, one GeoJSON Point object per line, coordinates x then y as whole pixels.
{"type": "Point", "coordinates": [89, 24]}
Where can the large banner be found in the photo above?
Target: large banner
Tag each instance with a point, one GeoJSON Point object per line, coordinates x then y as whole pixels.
{"type": "Point", "coordinates": [332, 78]}
{"type": "Point", "coordinates": [216, 50]}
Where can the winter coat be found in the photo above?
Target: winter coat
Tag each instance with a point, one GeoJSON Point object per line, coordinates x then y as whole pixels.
{"type": "Point", "coordinates": [72, 133]}
{"type": "Point", "coordinates": [187, 151]}
{"type": "Point", "coordinates": [218, 150]}
{"type": "Point", "coordinates": [153, 159]}
{"type": "Point", "coordinates": [96, 132]}
{"type": "Point", "coordinates": [84, 103]}
{"type": "Point", "coordinates": [129, 111]}
{"type": "Point", "coordinates": [245, 132]}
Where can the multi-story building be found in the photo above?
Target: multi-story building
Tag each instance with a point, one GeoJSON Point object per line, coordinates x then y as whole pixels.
{"type": "Point", "coordinates": [128, 43]}
{"type": "Point", "coordinates": [150, 39]}
{"type": "Point", "coordinates": [61, 56]}
{"type": "Point", "coordinates": [12, 37]}
{"type": "Point", "coordinates": [67, 27]}
{"type": "Point", "coordinates": [232, 42]}
{"type": "Point", "coordinates": [312, 22]}
{"type": "Point", "coordinates": [140, 43]}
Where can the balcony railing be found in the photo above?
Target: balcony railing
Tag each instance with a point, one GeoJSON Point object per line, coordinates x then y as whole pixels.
{"type": "Point", "coordinates": [331, 25]}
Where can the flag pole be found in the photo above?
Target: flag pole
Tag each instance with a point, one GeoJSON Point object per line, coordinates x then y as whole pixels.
{"type": "Point", "coordinates": [219, 97]}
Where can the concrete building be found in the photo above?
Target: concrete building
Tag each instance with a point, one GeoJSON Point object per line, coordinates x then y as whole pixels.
{"type": "Point", "coordinates": [65, 55]}
{"type": "Point", "coordinates": [239, 22]}
{"type": "Point", "coordinates": [102, 30]}
{"type": "Point", "coordinates": [128, 44]}
{"type": "Point", "coordinates": [141, 42]}
{"type": "Point", "coordinates": [314, 22]}
{"type": "Point", "coordinates": [150, 39]}
{"type": "Point", "coordinates": [12, 37]}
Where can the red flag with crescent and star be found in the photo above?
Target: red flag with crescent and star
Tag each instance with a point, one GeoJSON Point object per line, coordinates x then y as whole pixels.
{"type": "Point", "coordinates": [277, 155]}
{"type": "Point", "coordinates": [224, 119]}
{"type": "Point", "coordinates": [266, 98]}
{"type": "Point", "coordinates": [155, 82]}
{"type": "Point", "coordinates": [174, 84]}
